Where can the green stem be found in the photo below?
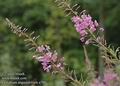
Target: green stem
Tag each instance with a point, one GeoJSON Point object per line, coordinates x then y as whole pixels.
{"type": "Point", "coordinates": [71, 78]}
{"type": "Point", "coordinates": [33, 42]}
{"type": "Point", "coordinates": [103, 46]}
{"type": "Point", "coordinates": [63, 73]}
{"type": "Point", "coordinates": [87, 60]}
{"type": "Point", "coordinates": [69, 7]}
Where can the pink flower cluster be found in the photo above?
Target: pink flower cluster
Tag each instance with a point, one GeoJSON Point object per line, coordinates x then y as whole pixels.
{"type": "Point", "coordinates": [84, 24]}
{"type": "Point", "coordinates": [110, 79]}
{"type": "Point", "coordinates": [48, 58]}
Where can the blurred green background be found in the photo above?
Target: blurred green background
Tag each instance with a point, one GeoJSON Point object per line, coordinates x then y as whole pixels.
{"type": "Point", "coordinates": [48, 21]}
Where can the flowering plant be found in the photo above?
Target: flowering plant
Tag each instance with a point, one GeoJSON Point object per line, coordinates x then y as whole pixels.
{"type": "Point", "coordinates": [89, 31]}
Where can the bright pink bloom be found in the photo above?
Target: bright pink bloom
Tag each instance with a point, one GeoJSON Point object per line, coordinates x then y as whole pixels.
{"type": "Point", "coordinates": [48, 58]}
{"type": "Point", "coordinates": [83, 25]}
{"type": "Point", "coordinates": [76, 19]}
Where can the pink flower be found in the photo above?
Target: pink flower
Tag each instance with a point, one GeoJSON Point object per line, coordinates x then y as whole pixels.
{"type": "Point", "coordinates": [76, 19]}
{"type": "Point", "coordinates": [46, 67]}
{"type": "Point", "coordinates": [40, 48]}
{"type": "Point", "coordinates": [110, 79]}
{"type": "Point", "coordinates": [48, 58]}
{"type": "Point", "coordinates": [84, 25]}
{"type": "Point", "coordinates": [108, 76]}
{"type": "Point", "coordinates": [83, 33]}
